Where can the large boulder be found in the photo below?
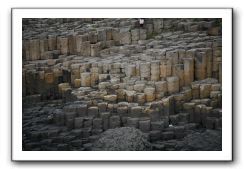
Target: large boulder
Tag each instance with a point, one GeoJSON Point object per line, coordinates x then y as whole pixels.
{"type": "Point", "coordinates": [122, 139]}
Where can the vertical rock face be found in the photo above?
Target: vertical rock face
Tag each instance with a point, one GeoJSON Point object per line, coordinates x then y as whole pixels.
{"type": "Point", "coordinates": [145, 69]}
{"type": "Point", "coordinates": [158, 25]}
{"type": "Point", "coordinates": [163, 78]}
{"type": "Point", "coordinates": [200, 65]}
{"type": "Point", "coordinates": [188, 71]}
{"type": "Point", "coordinates": [64, 48]}
{"type": "Point", "coordinates": [85, 79]}
{"type": "Point", "coordinates": [131, 70]}
{"type": "Point", "coordinates": [79, 40]}
{"type": "Point", "coordinates": [34, 47]}
{"type": "Point", "coordinates": [125, 36]}
{"type": "Point", "coordinates": [179, 72]}
{"type": "Point", "coordinates": [85, 48]}
{"type": "Point", "coordinates": [173, 84]}
{"type": "Point", "coordinates": [155, 71]}
{"type": "Point", "coordinates": [43, 48]}
{"type": "Point", "coordinates": [150, 94]}
{"type": "Point", "coordinates": [52, 42]}
{"type": "Point", "coordinates": [95, 50]}
{"type": "Point", "coordinates": [135, 35]}
{"type": "Point", "coordinates": [72, 44]}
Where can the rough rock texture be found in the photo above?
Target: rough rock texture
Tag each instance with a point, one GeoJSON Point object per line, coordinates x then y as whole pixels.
{"type": "Point", "coordinates": [122, 139]}
{"type": "Point", "coordinates": [195, 140]}
{"type": "Point", "coordinates": [209, 140]}
{"type": "Point", "coordinates": [83, 76]}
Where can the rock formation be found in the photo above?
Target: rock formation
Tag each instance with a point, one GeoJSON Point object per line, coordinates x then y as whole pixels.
{"type": "Point", "coordinates": [122, 139]}
{"type": "Point", "coordinates": [82, 77]}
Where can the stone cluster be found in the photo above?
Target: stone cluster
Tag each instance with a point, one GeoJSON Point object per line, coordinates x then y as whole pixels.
{"type": "Point", "coordinates": [163, 78]}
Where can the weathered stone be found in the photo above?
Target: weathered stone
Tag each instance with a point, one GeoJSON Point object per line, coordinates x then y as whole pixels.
{"type": "Point", "coordinates": [104, 85]}
{"type": "Point", "coordinates": [52, 42]}
{"type": "Point", "coordinates": [79, 40]}
{"type": "Point", "coordinates": [70, 124]}
{"type": "Point", "coordinates": [173, 56]}
{"type": "Point", "coordinates": [92, 111]}
{"type": "Point", "coordinates": [105, 120]}
{"type": "Point", "coordinates": [163, 77]}
{"type": "Point", "coordinates": [173, 84]}
{"type": "Point", "coordinates": [210, 121]}
{"type": "Point", "coordinates": [155, 115]}
{"type": "Point", "coordinates": [216, 87]}
{"type": "Point", "coordinates": [102, 107]}
{"type": "Point", "coordinates": [78, 122]}
{"type": "Point", "coordinates": [205, 90]}
{"type": "Point", "coordinates": [135, 35]}
{"type": "Point", "coordinates": [110, 98]}
{"type": "Point", "coordinates": [72, 44]}
{"type": "Point", "coordinates": [34, 49]}
{"type": "Point", "coordinates": [122, 111]}
{"type": "Point", "coordinates": [77, 83]}
{"type": "Point", "coordinates": [200, 66]}
{"type": "Point", "coordinates": [121, 94]}
{"type": "Point", "coordinates": [58, 117]}
{"type": "Point", "coordinates": [140, 98]}
{"type": "Point", "coordinates": [143, 34]}
{"type": "Point", "coordinates": [150, 94]}
{"type": "Point", "coordinates": [86, 132]}
{"type": "Point", "coordinates": [157, 25]}
{"type": "Point", "coordinates": [165, 68]}
{"type": "Point", "coordinates": [64, 46]}
{"type": "Point", "coordinates": [145, 70]}
{"type": "Point", "coordinates": [87, 122]}
{"type": "Point", "coordinates": [168, 104]}
{"type": "Point", "coordinates": [168, 135]}
{"type": "Point", "coordinates": [155, 70]}
{"type": "Point", "coordinates": [174, 119]}
{"type": "Point", "coordinates": [139, 87]}
{"type": "Point", "coordinates": [101, 35]}
{"type": "Point", "coordinates": [97, 123]}
{"type": "Point", "coordinates": [133, 122]}
{"type": "Point", "coordinates": [161, 86]}
{"type": "Point", "coordinates": [144, 125]}
{"type": "Point", "coordinates": [95, 48]}
{"type": "Point", "coordinates": [86, 79]}
{"type": "Point", "coordinates": [43, 48]}
{"type": "Point", "coordinates": [155, 135]}
{"type": "Point", "coordinates": [125, 36]}
{"type": "Point", "coordinates": [179, 132]}
{"type": "Point", "coordinates": [130, 95]}
{"type": "Point", "coordinates": [135, 111]}
{"type": "Point", "coordinates": [157, 125]}
{"type": "Point", "coordinates": [85, 49]}
{"type": "Point", "coordinates": [114, 122]}
{"type": "Point", "coordinates": [130, 70]}
{"type": "Point", "coordinates": [214, 31]}
{"type": "Point", "coordinates": [92, 37]}
{"type": "Point", "coordinates": [195, 91]}
{"type": "Point", "coordinates": [188, 71]}
{"type": "Point", "coordinates": [109, 35]}
{"type": "Point", "coordinates": [122, 139]}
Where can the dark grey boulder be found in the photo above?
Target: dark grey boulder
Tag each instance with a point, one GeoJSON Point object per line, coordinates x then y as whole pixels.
{"type": "Point", "coordinates": [122, 139]}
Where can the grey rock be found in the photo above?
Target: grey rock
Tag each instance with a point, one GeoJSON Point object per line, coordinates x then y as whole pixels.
{"type": "Point", "coordinates": [122, 139]}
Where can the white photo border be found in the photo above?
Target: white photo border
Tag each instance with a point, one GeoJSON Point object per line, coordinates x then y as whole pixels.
{"type": "Point", "coordinates": [227, 148]}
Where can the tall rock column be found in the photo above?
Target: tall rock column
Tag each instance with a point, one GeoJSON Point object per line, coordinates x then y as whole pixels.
{"type": "Point", "coordinates": [188, 71]}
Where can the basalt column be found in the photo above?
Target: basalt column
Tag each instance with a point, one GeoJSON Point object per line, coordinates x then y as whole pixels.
{"type": "Point", "coordinates": [188, 71]}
